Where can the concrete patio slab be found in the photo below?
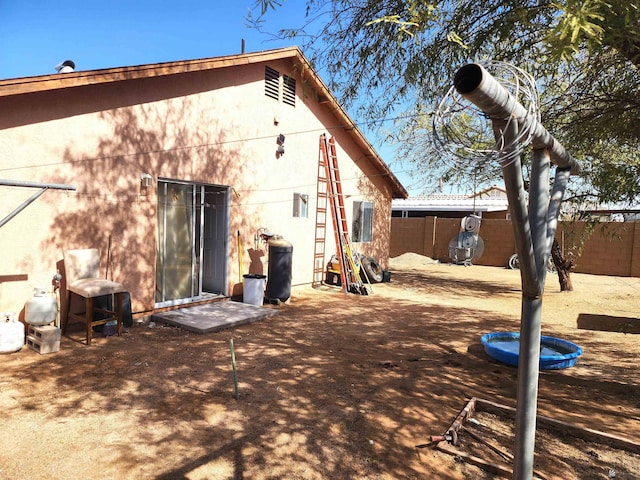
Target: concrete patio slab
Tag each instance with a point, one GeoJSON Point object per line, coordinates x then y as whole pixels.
{"type": "Point", "coordinates": [214, 317]}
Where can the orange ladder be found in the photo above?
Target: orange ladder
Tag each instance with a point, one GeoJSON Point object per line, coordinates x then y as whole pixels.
{"type": "Point", "coordinates": [349, 270]}
{"type": "Point", "coordinates": [321, 221]}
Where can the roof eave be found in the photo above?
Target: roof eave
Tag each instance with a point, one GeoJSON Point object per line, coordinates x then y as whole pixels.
{"type": "Point", "coordinates": [18, 86]}
{"type": "Point", "coordinates": [25, 85]}
{"type": "Point", "coordinates": [346, 123]}
{"type": "Point", "coordinates": [448, 209]}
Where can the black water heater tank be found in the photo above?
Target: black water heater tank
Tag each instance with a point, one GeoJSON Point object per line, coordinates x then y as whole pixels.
{"type": "Point", "coordinates": [280, 269]}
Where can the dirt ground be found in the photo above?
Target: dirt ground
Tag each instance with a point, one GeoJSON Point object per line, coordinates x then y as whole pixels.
{"type": "Point", "coordinates": [333, 387]}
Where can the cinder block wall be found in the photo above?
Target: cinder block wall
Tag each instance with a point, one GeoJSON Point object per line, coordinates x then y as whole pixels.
{"type": "Point", "coordinates": [609, 250]}
{"type": "Point", "coordinates": [635, 252]}
{"type": "Point", "coordinates": [408, 235]}
{"type": "Point", "coordinates": [499, 243]}
{"type": "Point", "coordinates": [612, 249]}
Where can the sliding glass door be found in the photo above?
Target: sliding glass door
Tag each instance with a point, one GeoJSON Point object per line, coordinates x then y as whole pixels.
{"type": "Point", "coordinates": [187, 213]}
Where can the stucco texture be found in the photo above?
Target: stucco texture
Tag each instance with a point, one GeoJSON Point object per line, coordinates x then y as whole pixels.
{"type": "Point", "coordinates": [101, 131]}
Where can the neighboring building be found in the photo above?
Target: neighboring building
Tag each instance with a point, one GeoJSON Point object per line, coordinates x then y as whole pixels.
{"type": "Point", "coordinates": [175, 165]}
{"type": "Point", "coordinates": [611, 212]}
{"type": "Point", "coordinates": [489, 203]}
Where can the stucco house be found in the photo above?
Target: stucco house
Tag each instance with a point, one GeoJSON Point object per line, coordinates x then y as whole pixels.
{"type": "Point", "coordinates": [177, 166]}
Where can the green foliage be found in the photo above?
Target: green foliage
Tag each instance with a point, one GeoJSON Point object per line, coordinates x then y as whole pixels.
{"type": "Point", "coordinates": [579, 20]}
{"type": "Point", "coordinates": [599, 25]}
{"type": "Point", "coordinates": [266, 5]}
{"type": "Point", "coordinates": [577, 230]}
{"type": "Point", "coordinates": [397, 58]}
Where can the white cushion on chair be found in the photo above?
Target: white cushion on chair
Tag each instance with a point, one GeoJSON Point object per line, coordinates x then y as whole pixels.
{"type": "Point", "coordinates": [95, 287]}
{"type": "Point", "coordinates": [82, 268]}
{"type": "Point", "coordinates": [83, 263]}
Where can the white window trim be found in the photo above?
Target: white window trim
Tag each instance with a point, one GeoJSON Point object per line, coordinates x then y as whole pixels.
{"type": "Point", "coordinates": [300, 205]}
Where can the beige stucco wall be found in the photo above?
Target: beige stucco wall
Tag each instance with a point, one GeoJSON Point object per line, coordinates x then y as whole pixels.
{"type": "Point", "coordinates": [214, 127]}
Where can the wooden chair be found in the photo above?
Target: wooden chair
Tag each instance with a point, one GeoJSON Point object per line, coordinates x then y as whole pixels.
{"type": "Point", "coordinates": [82, 269]}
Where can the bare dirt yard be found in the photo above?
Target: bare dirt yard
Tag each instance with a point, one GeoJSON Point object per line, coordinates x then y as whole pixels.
{"type": "Point", "coordinates": [336, 386]}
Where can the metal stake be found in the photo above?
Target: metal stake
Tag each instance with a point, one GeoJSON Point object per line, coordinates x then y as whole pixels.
{"type": "Point", "coordinates": [235, 373]}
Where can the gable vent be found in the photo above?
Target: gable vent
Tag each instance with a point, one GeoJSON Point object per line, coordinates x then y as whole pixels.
{"type": "Point", "coordinates": [289, 90]}
{"type": "Point", "coordinates": [271, 83]}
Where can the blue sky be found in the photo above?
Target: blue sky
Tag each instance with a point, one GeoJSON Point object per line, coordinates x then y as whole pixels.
{"type": "Point", "coordinates": [36, 35]}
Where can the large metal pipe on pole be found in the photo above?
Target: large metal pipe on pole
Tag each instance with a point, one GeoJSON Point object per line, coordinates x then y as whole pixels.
{"type": "Point", "coordinates": [478, 86]}
{"type": "Point", "coordinates": [533, 230]}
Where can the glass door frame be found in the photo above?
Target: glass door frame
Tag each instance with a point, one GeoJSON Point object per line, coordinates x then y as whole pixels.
{"type": "Point", "coordinates": [161, 247]}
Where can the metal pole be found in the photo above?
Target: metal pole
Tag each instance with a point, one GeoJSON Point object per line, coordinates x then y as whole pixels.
{"type": "Point", "coordinates": [531, 319]}
{"type": "Point", "coordinates": [22, 206]}
{"type": "Point", "coordinates": [235, 372]}
{"type": "Point", "coordinates": [43, 186]}
{"type": "Point", "coordinates": [516, 195]}
{"type": "Point", "coordinates": [20, 183]}
{"type": "Point", "coordinates": [530, 315]}
{"type": "Point", "coordinates": [538, 208]}
{"type": "Point", "coordinates": [533, 231]}
{"type": "Point", "coordinates": [527, 394]}
{"type": "Point", "coordinates": [559, 186]}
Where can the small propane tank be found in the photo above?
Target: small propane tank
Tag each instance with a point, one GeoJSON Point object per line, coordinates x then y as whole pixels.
{"type": "Point", "coordinates": [11, 333]}
{"type": "Point", "coordinates": [41, 309]}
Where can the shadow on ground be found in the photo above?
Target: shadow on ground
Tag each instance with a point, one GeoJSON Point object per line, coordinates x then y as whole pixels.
{"type": "Point", "coordinates": [335, 386]}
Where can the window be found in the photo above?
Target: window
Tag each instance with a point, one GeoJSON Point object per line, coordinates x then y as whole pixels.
{"type": "Point", "coordinates": [300, 205]}
{"type": "Point", "coordinates": [362, 221]}
{"type": "Point", "coordinates": [281, 89]}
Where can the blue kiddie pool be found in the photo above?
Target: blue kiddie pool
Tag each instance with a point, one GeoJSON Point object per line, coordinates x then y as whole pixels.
{"type": "Point", "coordinates": [555, 353]}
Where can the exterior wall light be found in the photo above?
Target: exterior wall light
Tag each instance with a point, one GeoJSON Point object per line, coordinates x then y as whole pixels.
{"type": "Point", "coordinates": [146, 181]}
{"type": "Point", "coordinates": [280, 142]}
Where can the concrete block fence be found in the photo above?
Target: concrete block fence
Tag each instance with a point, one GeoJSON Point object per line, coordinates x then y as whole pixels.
{"type": "Point", "coordinates": [612, 249]}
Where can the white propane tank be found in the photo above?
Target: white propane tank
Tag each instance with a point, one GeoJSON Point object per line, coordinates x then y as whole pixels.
{"type": "Point", "coordinates": [41, 309]}
{"type": "Point", "coordinates": [11, 333]}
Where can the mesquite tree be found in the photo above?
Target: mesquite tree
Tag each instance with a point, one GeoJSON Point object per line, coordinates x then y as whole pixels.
{"type": "Point", "coordinates": [396, 58]}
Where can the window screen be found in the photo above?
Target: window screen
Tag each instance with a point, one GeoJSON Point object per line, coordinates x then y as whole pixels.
{"type": "Point", "coordinates": [362, 227]}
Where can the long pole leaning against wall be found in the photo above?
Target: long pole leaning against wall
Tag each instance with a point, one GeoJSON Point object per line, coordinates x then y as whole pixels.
{"type": "Point", "coordinates": [534, 227]}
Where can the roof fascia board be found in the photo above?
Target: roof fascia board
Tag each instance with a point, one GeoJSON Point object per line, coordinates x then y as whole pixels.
{"type": "Point", "coordinates": [347, 124]}
{"type": "Point", "coordinates": [443, 208]}
{"type": "Point", "coordinates": [17, 86]}
{"type": "Point", "coordinates": [26, 85]}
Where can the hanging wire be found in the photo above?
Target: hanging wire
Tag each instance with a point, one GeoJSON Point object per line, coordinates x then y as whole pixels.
{"type": "Point", "coordinates": [467, 133]}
